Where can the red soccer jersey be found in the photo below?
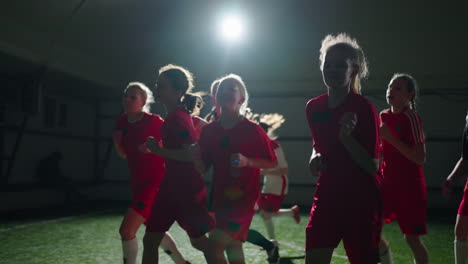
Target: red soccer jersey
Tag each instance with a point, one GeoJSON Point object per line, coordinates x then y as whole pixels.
{"type": "Point", "coordinates": [146, 168]}
{"type": "Point", "coordinates": [343, 179]}
{"type": "Point", "coordinates": [407, 127]}
{"type": "Point", "coordinates": [177, 131]}
{"type": "Point", "coordinates": [235, 189]}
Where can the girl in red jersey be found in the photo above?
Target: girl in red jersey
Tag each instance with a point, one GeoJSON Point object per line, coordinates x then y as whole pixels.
{"type": "Point", "coordinates": [146, 169]}
{"type": "Point", "coordinates": [345, 137]}
{"type": "Point", "coordinates": [461, 226]}
{"type": "Point", "coordinates": [404, 185]}
{"type": "Point", "coordinates": [275, 180]}
{"type": "Point", "coordinates": [182, 193]}
{"type": "Point", "coordinates": [236, 148]}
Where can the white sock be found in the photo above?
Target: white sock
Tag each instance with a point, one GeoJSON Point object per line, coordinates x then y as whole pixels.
{"type": "Point", "coordinates": [385, 255]}
{"type": "Point", "coordinates": [270, 228]}
{"type": "Point", "coordinates": [461, 251]}
{"type": "Point", "coordinates": [130, 251]}
{"type": "Point", "coordinates": [170, 248]}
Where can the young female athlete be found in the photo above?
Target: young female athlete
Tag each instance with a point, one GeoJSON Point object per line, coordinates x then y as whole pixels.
{"type": "Point", "coordinates": [345, 140]}
{"type": "Point", "coordinates": [146, 169]}
{"type": "Point", "coordinates": [404, 185]}
{"type": "Point", "coordinates": [275, 181]}
{"type": "Point", "coordinates": [461, 226]}
{"type": "Point", "coordinates": [182, 193]}
{"type": "Point", "coordinates": [236, 148]}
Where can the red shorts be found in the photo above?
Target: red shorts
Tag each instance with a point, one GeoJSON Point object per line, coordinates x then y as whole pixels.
{"type": "Point", "coordinates": [408, 208]}
{"type": "Point", "coordinates": [189, 212]}
{"type": "Point", "coordinates": [463, 209]}
{"type": "Point", "coordinates": [359, 228]}
{"type": "Point", "coordinates": [235, 230]}
{"type": "Point", "coordinates": [270, 202]}
{"type": "Point", "coordinates": [143, 199]}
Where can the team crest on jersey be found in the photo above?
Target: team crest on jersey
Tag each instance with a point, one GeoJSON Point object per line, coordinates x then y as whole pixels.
{"type": "Point", "coordinates": [225, 141]}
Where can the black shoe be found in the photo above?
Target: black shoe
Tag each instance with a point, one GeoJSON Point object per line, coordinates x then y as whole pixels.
{"type": "Point", "coordinates": [273, 254]}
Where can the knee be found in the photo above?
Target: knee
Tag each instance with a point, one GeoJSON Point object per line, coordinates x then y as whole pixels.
{"type": "Point", "coordinates": [413, 240]}
{"type": "Point", "coordinates": [126, 233]}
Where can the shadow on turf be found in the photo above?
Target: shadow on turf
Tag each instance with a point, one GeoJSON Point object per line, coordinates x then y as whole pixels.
{"type": "Point", "coordinates": [288, 260]}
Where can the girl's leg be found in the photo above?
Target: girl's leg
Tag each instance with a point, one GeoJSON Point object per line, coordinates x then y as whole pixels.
{"type": "Point", "coordinates": [319, 255]}
{"type": "Point", "coordinates": [461, 240]}
{"type": "Point", "coordinates": [235, 252]}
{"type": "Point", "coordinates": [384, 251]}
{"type": "Point", "coordinates": [169, 246]}
{"type": "Point", "coordinates": [420, 253]}
{"type": "Point", "coordinates": [128, 229]}
{"type": "Point", "coordinates": [267, 220]}
{"type": "Point", "coordinates": [219, 241]}
{"type": "Point", "coordinates": [204, 245]}
{"type": "Point", "coordinates": [151, 242]}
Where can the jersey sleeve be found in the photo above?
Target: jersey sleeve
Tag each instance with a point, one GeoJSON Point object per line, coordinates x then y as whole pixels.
{"type": "Point", "coordinates": [416, 132]}
{"type": "Point", "coordinates": [368, 129]}
{"type": "Point", "coordinates": [309, 120]}
{"type": "Point", "coordinates": [120, 122]}
{"type": "Point", "coordinates": [181, 131]}
{"type": "Point", "coordinates": [265, 151]}
{"type": "Point", "coordinates": [155, 126]}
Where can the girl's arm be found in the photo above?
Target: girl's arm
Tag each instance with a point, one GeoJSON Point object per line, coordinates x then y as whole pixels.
{"type": "Point", "coordinates": [416, 154]}
{"type": "Point", "coordinates": [156, 148]}
{"type": "Point", "coordinates": [278, 172]}
{"type": "Point", "coordinates": [460, 169]}
{"type": "Point", "coordinates": [117, 138]}
{"type": "Point", "coordinates": [282, 168]}
{"type": "Point", "coordinates": [358, 153]}
{"type": "Point", "coordinates": [238, 160]}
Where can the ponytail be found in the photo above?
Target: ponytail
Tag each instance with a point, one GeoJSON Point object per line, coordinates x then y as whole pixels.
{"type": "Point", "coordinates": [192, 103]}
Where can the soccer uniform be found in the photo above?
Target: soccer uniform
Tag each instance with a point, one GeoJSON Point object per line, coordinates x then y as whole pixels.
{"type": "Point", "coordinates": [404, 187]}
{"type": "Point", "coordinates": [347, 201]}
{"type": "Point", "coordinates": [236, 190]}
{"type": "Point", "coordinates": [182, 194]}
{"type": "Point", "coordinates": [146, 169]}
{"type": "Point", "coordinates": [275, 187]}
{"type": "Point", "coordinates": [463, 209]}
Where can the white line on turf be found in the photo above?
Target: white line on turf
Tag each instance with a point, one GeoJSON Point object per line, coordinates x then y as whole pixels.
{"type": "Point", "coordinates": [38, 223]}
{"type": "Point", "coordinates": [51, 221]}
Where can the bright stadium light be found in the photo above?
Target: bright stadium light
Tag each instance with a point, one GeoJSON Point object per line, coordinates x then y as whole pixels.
{"type": "Point", "coordinates": [232, 28]}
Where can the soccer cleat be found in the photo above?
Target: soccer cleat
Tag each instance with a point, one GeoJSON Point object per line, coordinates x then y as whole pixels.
{"type": "Point", "coordinates": [273, 254]}
{"type": "Point", "coordinates": [296, 213]}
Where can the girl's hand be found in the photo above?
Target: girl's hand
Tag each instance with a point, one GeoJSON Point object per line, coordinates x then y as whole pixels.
{"type": "Point", "coordinates": [153, 145]}
{"type": "Point", "coordinates": [239, 161]}
{"type": "Point", "coordinates": [348, 123]}
{"type": "Point", "coordinates": [143, 149]}
{"type": "Point", "coordinates": [316, 165]}
{"type": "Point", "coordinates": [385, 132]}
